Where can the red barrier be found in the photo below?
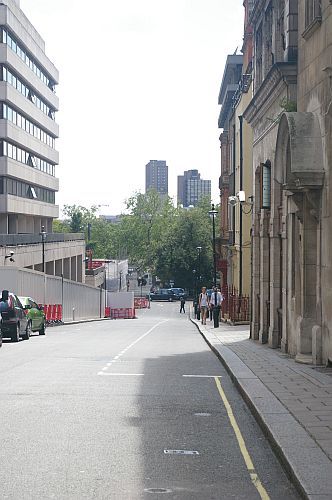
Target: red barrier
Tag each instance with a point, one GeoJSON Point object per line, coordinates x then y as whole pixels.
{"type": "Point", "coordinates": [107, 312]}
{"type": "Point", "coordinates": [53, 313]}
{"type": "Point", "coordinates": [58, 313]}
{"type": "Point", "coordinates": [48, 313]}
{"type": "Point", "coordinates": [141, 302]}
{"type": "Point", "coordinates": [122, 313]}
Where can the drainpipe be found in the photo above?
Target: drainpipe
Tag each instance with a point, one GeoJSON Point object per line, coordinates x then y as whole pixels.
{"type": "Point", "coordinates": [234, 173]}
{"type": "Point", "coordinates": [241, 214]}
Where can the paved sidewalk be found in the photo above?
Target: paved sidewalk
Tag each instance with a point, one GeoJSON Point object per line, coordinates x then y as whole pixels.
{"type": "Point", "coordinates": [292, 402]}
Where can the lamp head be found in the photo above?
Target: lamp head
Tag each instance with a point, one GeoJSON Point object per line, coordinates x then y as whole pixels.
{"type": "Point", "coordinates": [232, 201]}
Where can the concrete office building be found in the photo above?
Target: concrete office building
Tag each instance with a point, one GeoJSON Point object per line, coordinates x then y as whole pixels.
{"type": "Point", "coordinates": [191, 188]}
{"type": "Point", "coordinates": [28, 158]}
{"type": "Point", "coordinates": [28, 130]}
{"type": "Point", "coordinates": [156, 176]}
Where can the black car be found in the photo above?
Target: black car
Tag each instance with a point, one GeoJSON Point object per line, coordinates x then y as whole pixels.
{"type": "Point", "coordinates": [163, 294]}
{"type": "Point", "coordinates": [14, 322]}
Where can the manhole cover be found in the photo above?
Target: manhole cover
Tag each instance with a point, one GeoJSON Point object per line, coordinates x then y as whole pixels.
{"type": "Point", "coordinates": [181, 452]}
{"type": "Point", "coordinates": [157, 490]}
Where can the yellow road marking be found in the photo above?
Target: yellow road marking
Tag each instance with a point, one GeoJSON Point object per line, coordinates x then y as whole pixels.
{"type": "Point", "coordinates": [242, 445]}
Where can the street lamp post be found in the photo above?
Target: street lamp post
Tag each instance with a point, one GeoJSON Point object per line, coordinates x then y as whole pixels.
{"type": "Point", "coordinates": [213, 212]}
{"type": "Point", "coordinates": [43, 235]}
{"type": "Point", "coordinates": [120, 281]}
{"type": "Point", "coordinates": [199, 249]}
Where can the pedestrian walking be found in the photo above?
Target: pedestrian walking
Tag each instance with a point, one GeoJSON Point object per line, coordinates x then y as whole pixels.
{"type": "Point", "coordinates": [203, 304]}
{"type": "Point", "coordinates": [209, 313]}
{"type": "Point", "coordinates": [215, 301]}
{"type": "Point", "coordinates": [182, 303]}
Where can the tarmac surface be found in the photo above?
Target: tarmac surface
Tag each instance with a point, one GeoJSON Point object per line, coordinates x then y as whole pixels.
{"type": "Point", "coordinates": [129, 409]}
{"type": "Point", "coordinates": [291, 402]}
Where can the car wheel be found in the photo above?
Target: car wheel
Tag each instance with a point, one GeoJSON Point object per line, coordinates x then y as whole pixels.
{"type": "Point", "coordinates": [42, 330]}
{"type": "Point", "coordinates": [16, 334]}
{"type": "Point", "coordinates": [27, 333]}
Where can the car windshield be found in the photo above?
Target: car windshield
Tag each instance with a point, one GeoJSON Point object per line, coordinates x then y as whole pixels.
{"type": "Point", "coordinates": [24, 301]}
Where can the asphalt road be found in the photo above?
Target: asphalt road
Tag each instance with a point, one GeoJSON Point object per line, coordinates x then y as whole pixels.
{"type": "Point", "coordinates": [128, 409]}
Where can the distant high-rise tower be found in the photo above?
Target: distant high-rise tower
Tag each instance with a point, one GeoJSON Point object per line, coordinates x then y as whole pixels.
{"type": "Point", "coordinates": [156, 176]}
{"type": "Point", "coordinates": [191, 188]}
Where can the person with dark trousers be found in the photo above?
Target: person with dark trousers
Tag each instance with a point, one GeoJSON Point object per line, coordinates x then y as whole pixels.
{"type": "Point", "coordinates": [216, 300]}
{"type": "Point", "coordinates": [182, 303]}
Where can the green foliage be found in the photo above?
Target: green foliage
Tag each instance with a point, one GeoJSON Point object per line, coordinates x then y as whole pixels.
{"type": "Point", "coordinates": [152, 234]}
{"type": "Point", "coordinates": [60, 226]}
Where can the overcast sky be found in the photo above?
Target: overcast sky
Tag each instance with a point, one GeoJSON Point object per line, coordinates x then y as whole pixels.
{"type": "Point", "coordinates": [139, 81]}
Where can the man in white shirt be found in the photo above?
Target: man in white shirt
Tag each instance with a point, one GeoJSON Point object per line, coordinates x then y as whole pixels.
{"type": "Point", "coordinates": [216, 300]}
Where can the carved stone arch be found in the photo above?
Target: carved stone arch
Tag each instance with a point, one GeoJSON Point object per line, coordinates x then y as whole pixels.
{"type": "Point", "coordinates": [299, 167]}
{"type": "Point", "coordinates": [299, 152]}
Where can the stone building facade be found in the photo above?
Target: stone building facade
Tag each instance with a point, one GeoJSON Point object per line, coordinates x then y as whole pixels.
{"type": "Point", "coordinates": [236, 172]}
{"type": "Point", "coordinates": [290, 114]}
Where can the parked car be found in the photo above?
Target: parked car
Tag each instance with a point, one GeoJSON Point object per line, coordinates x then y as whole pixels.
{"type": "Point", "coordinates": [35, 315]}
{"type": "Point", "coordinates": [14, 322]}
{"type": "Point", "coordinates": [163, 294]}
{"type": "Point", "coordinates": [179, 292]}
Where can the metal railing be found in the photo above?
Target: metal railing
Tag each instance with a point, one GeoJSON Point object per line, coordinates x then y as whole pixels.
{"type": "Point", "coordinates": [234, 307]}
{"type": "Point", "coordinates": [31, 239]}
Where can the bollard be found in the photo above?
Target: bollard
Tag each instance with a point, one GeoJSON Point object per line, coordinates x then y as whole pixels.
{"type": "Point", "coordinates": [73, 313]}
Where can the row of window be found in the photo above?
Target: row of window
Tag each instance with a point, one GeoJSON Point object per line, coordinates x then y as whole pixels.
{"type": "Point", "coordinates": [24, 190]}
{"type": "Point", "coordinates": [9, 40]}
{"type": "Point", "coordinates": [7, 76]}
{"type": "Point", "coordinates": [18, 154]}
{"type": "Point", "coordinates": [13, 116]}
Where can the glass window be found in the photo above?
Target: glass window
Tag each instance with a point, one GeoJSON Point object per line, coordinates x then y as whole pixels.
{"type": "Point", "coordinates": [9, 114]}
{"type": "Point", "coordinates": [4, 36]}
{"type": "Point", "coordinates": [19, 155]}
{"type": "Point", "coordinates": [5, 148]}
{"type": "Point", "coordinates": [14, 117]}
{"type": "Point", "coordinates": [266, 184]}
{"type": "Point", "coordinates": [10, 150]}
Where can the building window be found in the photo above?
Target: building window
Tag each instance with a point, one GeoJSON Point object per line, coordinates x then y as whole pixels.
{"type": "Point", "coordinates": [32, 192]}
{"type": "Point", "coordinates": [313, 17]}
{"type": "Point", "coordinates": [24, 190]}
{"type": "Point", "coordinates": [23, 156]}
{"type": "Point", "coordinates": [9, 77]}
{"type": "Point", "coordinates": [25, 124]}
{"type": "Point", "coordinates": [313, 11]}
{"type": "Point", "coordinates": [9, 40]}
{"type": "Point", "coordinates": [265, 184]}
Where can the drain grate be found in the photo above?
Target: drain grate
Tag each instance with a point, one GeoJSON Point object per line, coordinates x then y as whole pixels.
{"type": "Point", "coordinates": [157, 490]}
{"type": "Point", "coordinates": [181, 452]}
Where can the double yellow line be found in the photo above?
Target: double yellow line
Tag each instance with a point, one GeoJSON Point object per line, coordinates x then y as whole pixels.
{"type": "Point", "coordinates": [242, 445]}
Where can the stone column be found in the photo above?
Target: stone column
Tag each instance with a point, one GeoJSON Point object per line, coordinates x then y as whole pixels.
{"type": "Point", "coordinates": [73, 272]}
{"type": "Point", "coordinates": [254, 327]}
{"type": "Point", "coordinates": [275, 259]}
{"type": "Point", "coordinates": [66, 268]}
{"type": "Point", "coordinates": [309, 283]}
{"type": "Point", "coordinates": [264, 279]}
